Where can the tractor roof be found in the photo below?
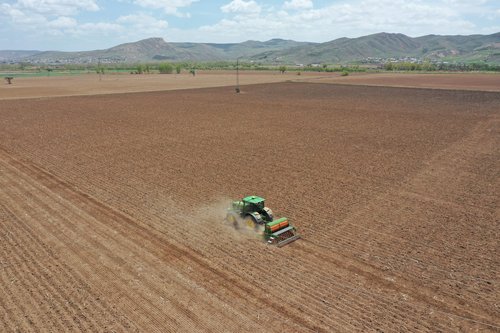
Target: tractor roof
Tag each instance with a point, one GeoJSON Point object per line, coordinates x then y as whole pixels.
{"type": "Point", "coordinates": [253, 199]}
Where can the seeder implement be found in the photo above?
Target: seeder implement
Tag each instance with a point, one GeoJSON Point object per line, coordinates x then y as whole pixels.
{"type": "Point", "coordinates": [280, 233]}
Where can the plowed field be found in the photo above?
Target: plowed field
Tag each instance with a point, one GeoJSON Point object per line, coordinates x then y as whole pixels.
{"type": "Point", "coordinates": [460, 81]}
{"type": "Point", "coordinates": [112, 206]}
{"type": "Point", "coordinates": [92, 84]}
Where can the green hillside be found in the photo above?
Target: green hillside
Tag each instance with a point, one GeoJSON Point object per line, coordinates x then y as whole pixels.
{"type": "Point", "coordinates": [377, 47]}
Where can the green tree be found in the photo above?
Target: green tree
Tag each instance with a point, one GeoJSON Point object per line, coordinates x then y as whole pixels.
{"type": "Point", "coordinates": [282, 69]}
{"type": "Point", "coordinates": [178, 69]}
{"type": "Point", "coordinates": [166, 68]}
{"type": "Point", "coordinates": [428, 66]}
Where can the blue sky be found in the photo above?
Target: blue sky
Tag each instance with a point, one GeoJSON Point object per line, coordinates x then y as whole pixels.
{"type": "Point", "coordinates": [73, 25]}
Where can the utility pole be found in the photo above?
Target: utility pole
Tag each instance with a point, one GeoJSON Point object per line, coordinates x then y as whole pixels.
{"type": "Point", "coordinates": [99, 69]}
{"type": "Point", "coordinates": [238, 75]}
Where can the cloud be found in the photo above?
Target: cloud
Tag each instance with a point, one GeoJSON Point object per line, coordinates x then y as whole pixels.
{"type": "Point", "coordinates": [62, 22]}
{"type": "Point", "coordinates": [169, 6]}
{"type": "Point", "coordinates": [240, 20]}
{"type": "Point", "coordinates": [21, 18]}
{"type": "Point", "coordinates": [134, 26]}
{"type": "Point", "coordinates": [97, 29]}
{"type": "Point", "coordinates": [143, 23]}
{"type": "Point", "coordinates": [125, 28]}
{"type": "Point", "coordinates": [465, 2]}
{"type": "Point", "coordinates": [301, 20]}
{"type": "Point", "coordinates": [241, 6]}
{"type": "Point", "coordinates": [60, 18]}
{"type": "Point", "coordinates": [34, 15]}
{"type": "Point", "coordinates": [41, 24]}
{"type": "Point", "coordinates": [298, 4]}
{"type": "Point", "coordinates": [57, 7]}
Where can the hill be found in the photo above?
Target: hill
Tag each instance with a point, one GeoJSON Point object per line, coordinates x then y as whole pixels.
{"type": "Point", "coordinates": [15, 55]}
{"type": "Point", "coordinates": [371, 48]}
{"type": "Point", "coordinates": [386, 45]}
{"type": "Point", "coordinates": [157, 49]}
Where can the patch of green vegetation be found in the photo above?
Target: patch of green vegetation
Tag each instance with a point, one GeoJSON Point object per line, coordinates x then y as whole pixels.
{"type": "Point", "coordinates": [442, 66]}
{"type": "Point", "coordinates": [166, 68]}
{"type": "Point", "coordinates": [26, 70]}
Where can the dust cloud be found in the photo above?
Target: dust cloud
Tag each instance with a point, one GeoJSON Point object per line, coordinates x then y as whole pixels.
{"type": "Point", "coordinates": [212, 216]}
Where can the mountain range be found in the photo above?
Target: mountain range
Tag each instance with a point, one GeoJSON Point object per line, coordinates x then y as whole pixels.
{"type": "Point", "coordinates": [371, 48]}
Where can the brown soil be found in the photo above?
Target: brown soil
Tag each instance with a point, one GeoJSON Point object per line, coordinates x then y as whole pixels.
{"type": "Point", "coordinates": [91, 84]}
{"type": "Point", "coordinates": [462, 81]}
{"type": "Point", "coordinates": [112, 206]}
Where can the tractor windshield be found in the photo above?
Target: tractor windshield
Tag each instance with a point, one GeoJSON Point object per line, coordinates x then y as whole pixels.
{"type": "Point", "coordinates": [255, 206]}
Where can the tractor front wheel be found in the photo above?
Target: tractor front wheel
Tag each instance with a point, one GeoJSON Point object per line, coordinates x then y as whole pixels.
{"type": "Point", "coordinates": [233, 219]}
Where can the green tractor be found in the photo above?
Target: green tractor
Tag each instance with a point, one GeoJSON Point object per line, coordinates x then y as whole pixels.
{"type": "Point", "coordinates": [250, 212]}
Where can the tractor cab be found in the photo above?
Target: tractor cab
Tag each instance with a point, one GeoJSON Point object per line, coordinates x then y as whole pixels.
{"type": "Point", "coordinates": [253, 204]}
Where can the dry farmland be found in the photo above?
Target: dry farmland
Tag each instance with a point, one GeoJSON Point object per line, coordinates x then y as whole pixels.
{"type": "Point", "coordinates": [112, 207]}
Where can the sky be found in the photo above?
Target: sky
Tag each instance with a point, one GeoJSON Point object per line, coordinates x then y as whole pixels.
{"type": "Point", "coordinates": [79, 25]}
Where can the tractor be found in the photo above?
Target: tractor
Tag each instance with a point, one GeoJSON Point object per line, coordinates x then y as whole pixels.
{"type": "Point", "coordinates": [251, 213]}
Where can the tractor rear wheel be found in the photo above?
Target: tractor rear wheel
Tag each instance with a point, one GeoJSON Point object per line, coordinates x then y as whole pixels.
{"type": "Point", "coordinates": [249, 222]}
{"type": "Point", "coordinates": [252, 224]}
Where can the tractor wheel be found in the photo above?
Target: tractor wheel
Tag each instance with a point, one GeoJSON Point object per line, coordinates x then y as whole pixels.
{"type": "Point", "coordinates": [252, 224]}
{"type": "Point", "coordinates": [269, 213]}
{"type": "Point", "coordinates": [233, 219]}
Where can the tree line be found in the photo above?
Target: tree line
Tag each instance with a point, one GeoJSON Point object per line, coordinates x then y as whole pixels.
{"type": "Point", "coordinates": [178, 67]}
{"type": "Point", "coordinates": [430, 67]}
